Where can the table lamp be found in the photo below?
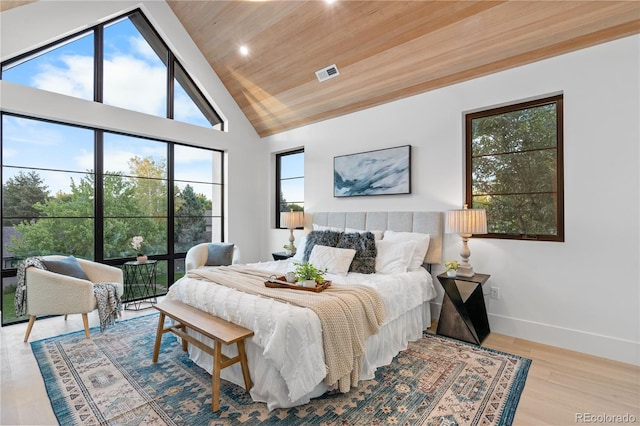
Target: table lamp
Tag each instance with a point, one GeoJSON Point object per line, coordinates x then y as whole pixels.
{"type": "Point", "coordinates": [292, 220]}
{"type": "Point", "coordinates": [466, 222]}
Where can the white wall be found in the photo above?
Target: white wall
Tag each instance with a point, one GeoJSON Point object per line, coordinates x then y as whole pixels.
{"type": "Point", "coordinates": [28, 27]}
{"type": "Point", "coordinates": [570, 294]}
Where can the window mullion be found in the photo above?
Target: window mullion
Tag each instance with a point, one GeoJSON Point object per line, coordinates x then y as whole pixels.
{"type": "Point", "coordinates": [98, 210]}
{"type": "Point", "coordinates": [98, 64]}
{"type": "Point", "coordinates": [170, 89]}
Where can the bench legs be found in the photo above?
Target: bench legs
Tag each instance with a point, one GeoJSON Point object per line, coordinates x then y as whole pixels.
{"type": "Point", "coordinates": [159, 332]}
{"type": "Point", "coordinates": [220, 361]}
{"type": "Point", "coordinates": [215, 379]}
{"type": "Point", "coordinates": [245, 366]}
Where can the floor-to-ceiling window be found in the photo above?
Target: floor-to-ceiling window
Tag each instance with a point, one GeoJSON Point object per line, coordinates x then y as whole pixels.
{"type": "Point", "coordinates": [88, 192]}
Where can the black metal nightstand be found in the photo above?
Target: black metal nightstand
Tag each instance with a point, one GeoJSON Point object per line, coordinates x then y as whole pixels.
{"type": "Point", "coordinates": [281, 255]}
{"type": "Point", "coordinates": [463, 315]}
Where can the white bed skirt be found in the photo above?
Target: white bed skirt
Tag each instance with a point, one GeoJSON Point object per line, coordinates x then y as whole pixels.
{"type": "Point", "coordinates": [270, 387]}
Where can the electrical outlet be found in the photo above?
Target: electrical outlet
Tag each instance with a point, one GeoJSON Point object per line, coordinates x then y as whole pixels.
{"type": "Point", "coordinates": [495, 293]}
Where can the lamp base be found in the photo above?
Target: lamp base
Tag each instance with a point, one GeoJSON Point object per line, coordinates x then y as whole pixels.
{"type": "Point", "coordinates": [465, 271]}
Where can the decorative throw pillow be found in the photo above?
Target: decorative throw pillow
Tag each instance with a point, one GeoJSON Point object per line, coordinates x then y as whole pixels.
{"type": "Point", "coordinates": [364, 261]}
{"type": "Point", "coordinates": [219, 254]}
{"type": "Point", "coordinates": [302, 243]}
{"type": "Point", "coordinates": [394, 256]}
{"type": "Point", "coordinates": [68, 266]}
{"type": "Point", "coordinates": [323, 238]}
{"type": "Point", "coordinates": [334, 260]}
{"type": "Point", "coordinates": [422, 245]}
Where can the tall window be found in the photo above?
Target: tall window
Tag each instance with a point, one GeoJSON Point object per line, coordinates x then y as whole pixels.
{"type": "Point", "coordinates": [87, 192]}
{"type": "Point", "coordinates": [514, 169]}
{"type": "Point", "coordinates": [289, 182]}
{"type": "Point", "coordinates": [129, 67]}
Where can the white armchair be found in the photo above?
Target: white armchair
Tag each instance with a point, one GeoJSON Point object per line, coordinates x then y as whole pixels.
{"type": "Point", "coordinates": [50, 293]}
{"type": "Point", "coordinates": [197, 256]}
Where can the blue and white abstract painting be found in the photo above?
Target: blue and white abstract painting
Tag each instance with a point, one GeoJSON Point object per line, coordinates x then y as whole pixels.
{"type": "Point", "coordinates": [381, 172]}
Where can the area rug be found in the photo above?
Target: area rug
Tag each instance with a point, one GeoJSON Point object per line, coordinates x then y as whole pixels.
{"type": "Point", "coordinates": [110, 380]}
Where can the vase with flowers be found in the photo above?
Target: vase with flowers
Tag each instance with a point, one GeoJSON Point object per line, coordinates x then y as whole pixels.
{"type": "Point", "coordinates": [136, 243]}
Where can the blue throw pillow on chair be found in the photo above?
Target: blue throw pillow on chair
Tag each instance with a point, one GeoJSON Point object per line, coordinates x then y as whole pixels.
{"type": "Point", "coordinates": [67, 266]}
{"type": "Point", "coordinates": [219, 255]}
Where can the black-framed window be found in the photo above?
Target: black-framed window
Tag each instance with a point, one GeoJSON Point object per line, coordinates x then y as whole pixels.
{"type": "Point", "coordinates": [514, 169]}
{"type": "Point", "coordinates": [122, 62]}
{"type": "Point", "coordinates": [87, 192]}
{"type": "Point", "coordinates": [289, 182]}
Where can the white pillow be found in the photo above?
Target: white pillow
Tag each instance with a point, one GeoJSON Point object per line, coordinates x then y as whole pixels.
{"type": "Point", "coordinates": [422, 245]}
{"type": "Point", "coordinates": [394, 256]}
{"type": "Point", "coordinates": [377, 235]}
{"type": "Point", "coordinates": [335, 260]}
{"type": "Point", "coordinates": [326, 228]}
{"type": "Point", "coordinates": [302, 243]}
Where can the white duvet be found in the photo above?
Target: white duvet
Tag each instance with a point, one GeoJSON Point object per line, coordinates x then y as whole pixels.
{"type": "Point", "coordinates": [285, 355]}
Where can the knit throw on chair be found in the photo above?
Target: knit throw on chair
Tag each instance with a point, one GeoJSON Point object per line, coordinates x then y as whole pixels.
{"type": "Point", "coordinates": [109, 304]}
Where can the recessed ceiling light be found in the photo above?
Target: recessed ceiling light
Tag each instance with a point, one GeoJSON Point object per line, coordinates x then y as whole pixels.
{"type": "Point", "coordinates": [244, 50]}
{"type": "Point", "coordinates": [330, 1]}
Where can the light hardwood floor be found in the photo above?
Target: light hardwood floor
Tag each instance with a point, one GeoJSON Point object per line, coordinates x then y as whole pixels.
{"type": "Point", "coordinates": [562, 385]}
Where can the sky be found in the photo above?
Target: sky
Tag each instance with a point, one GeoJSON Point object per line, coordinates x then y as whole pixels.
{"type": "Point", "coordinates": [130, 67]}
{"type": "Point", "coordinates": [134, 78]}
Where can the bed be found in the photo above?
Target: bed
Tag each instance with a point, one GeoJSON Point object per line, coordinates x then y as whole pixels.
{"type": "Point", "coordinates": [286, 355]}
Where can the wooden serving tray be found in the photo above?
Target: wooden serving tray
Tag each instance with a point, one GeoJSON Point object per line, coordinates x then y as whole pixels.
{"type": "Point", "coordinates": [318, 288]}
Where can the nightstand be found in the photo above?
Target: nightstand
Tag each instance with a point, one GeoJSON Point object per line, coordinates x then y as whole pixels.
{"type": "Point", "coordinates": [463, 315]}
{"type": "Point", "coordinates": [281, 255]}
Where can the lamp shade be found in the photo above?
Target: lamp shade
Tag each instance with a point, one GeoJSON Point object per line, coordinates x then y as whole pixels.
{"type": "Point", "coordinates": [292, 220]}
{"type": "Point", "coordinates": [467, 221]}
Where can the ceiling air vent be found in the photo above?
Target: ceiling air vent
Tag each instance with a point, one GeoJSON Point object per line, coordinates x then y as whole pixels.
{"type": "Point", "coordinates": [327, 73]}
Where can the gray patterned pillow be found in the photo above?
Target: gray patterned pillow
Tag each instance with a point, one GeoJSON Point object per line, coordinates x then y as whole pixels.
{"type": "Point", "coordinates": [364, 244]}
{"type": "Point", "coordinates": [323, 238]}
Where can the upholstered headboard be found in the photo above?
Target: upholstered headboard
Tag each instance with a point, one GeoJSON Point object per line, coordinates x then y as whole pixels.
{"type": "Point", "coordinates": [431, 223]}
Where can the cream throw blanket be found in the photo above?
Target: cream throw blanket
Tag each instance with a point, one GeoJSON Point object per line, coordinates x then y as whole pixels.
{"type": "Point", "coordinates": [348, 316]}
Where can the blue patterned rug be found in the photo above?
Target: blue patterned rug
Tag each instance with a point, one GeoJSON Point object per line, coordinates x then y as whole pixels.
{"type": "Point", "coordinates": [110, 380]}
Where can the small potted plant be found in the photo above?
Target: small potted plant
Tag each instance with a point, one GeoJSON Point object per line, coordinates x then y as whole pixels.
{"type": "Point", "coordinates": [451, 266]}
{"type": "Point", "coordinates": [308, 275]}
{"type": "Point", "coordinates": [289, 248]}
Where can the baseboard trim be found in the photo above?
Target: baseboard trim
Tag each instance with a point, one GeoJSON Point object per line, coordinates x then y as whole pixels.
{"type": "Point", "coordinates": [574, 340]}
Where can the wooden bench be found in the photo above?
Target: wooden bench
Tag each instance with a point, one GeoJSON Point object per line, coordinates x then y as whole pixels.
{"type": "Point", "coordinates": [219, 330]}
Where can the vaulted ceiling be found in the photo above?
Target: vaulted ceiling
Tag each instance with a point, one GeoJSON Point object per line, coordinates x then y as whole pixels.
{"type": "Point", "coordinates": [384, 50]}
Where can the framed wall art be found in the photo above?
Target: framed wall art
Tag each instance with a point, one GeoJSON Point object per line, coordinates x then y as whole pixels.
{"type": "Point", "coordinates": [379, 172]}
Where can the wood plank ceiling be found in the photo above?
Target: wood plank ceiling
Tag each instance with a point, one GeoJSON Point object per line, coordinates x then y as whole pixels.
{"type": "Point", "coordinates": [384, 50]}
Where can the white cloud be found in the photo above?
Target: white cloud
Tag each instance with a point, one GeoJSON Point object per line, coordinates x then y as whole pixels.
{"type": "Point", "coordinates": [139, 45]}
{"type": "Point", "coordinates": [74, 79]}
{"type": "Point", "coordinates": [8, 153]}
{"type": "Point", "coordinates": [135, 84]}
{"type": "Point", "coordinates": [117, 161]}
{"type": "Point", "coordinates": [85, 160]}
